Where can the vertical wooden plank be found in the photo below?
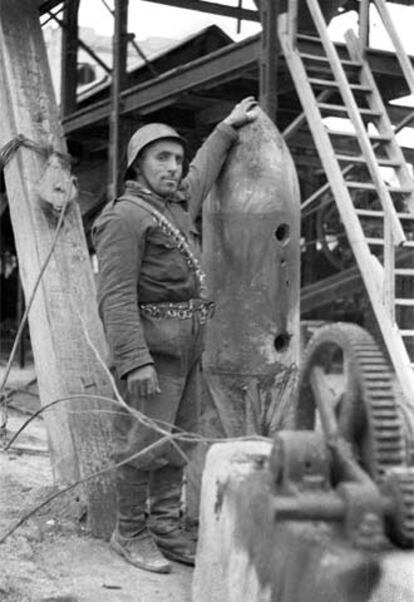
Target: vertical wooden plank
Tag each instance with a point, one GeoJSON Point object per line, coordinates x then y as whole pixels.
{"type": "Point", "coordinates": [116, 137]}
{"type": "Point", "coordinates": [64, 307]}
{"type": "Point", "coordinates": [269, 10]}
{"type": "Point", "coordinates": [292, 21]}
{"type": "Point", "coordinates": [69, 58]}
{"type": "Point", "coordinates": [364, 24]}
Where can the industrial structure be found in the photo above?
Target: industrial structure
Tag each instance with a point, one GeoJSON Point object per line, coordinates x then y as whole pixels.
{"type": "Point", "coordinates": [193, 86]}
{"type": "Point", "coordinates": [357, 238]}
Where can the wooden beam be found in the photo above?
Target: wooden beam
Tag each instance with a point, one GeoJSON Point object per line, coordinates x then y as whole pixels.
{"type": "Point", "coordinates": [213, 8]}
{"type": "Point", "coordinates": [364, 24]}
{"type": "Point", "coordinates": [64, 313]}
{"type": "Point", "coordinates": [216, 68]}
{"type": "Point", "coordinates": [119, 53]}
{"type": "Point", "coordinates": [69, 58]}
{"type": "Point", "coordinates": [220, 66]}
{"type": "Point", "coordinates": [268, 84]}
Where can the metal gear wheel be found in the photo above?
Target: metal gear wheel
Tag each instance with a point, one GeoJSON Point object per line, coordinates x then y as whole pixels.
{"type": "Point", "coordinates": [346, 371]}
{"type": "Point", "coordinates": [399, 486]}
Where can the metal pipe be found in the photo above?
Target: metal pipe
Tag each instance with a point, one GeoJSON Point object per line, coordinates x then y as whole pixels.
{"type": "Point", "coordinates": [318, 506]}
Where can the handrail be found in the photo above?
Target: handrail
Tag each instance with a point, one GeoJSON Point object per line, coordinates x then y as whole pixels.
{"type": "Point", "coordinates": [402, 54]}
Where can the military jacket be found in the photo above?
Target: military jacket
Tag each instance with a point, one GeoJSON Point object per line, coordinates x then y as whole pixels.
{"type": "Point", "coordinates": [139, 263]}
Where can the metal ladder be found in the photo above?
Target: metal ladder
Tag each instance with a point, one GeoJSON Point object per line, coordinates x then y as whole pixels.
{"type": "Point", "coordinates": [392, 215]}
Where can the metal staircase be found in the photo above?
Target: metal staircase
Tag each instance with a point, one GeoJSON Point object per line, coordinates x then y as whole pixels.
{"type": "Point", "coordinates": [381, 233]}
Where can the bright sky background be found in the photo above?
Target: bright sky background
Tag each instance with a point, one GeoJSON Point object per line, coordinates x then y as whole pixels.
{"type": "Point", "coordinates": [147, 19]}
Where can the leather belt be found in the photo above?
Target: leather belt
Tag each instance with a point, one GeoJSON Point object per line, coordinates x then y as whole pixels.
{"type": "Point", "coordinates": [182, 310]}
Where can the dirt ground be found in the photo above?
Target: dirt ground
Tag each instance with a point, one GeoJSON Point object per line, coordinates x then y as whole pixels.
{"type": "Point", "coordinates": [50, 557]}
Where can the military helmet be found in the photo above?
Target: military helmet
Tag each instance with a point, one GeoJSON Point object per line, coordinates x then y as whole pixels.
{"type": "Point", "coordinates": [152, 132]}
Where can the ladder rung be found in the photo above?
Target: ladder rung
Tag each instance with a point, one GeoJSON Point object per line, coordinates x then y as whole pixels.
{"type": "Point", "coordinates": [371, 186]}
{"type": "Point", "coordinates": [361, 159]}
{"type": "Point", "coordinates": [404, 302]}
{"type": "Point", "coordinates": [404, 271]}
{"type": "Point", "coordinates": [308, 38]}
{"type": "Point", "coordinates": [378, 242]}
{"type": "Point", "coordinates": [369, 213]}
{"type": "Point", "coordinates": [331, 83]}
{"type": "Point", "coordinates": [323, 59]}
{"type": "Point", "coordinates": [342, 109]}
{"type": "Point", "coordinates": [354, 135]}
{"type": "Point", "coordinates": [380, 213]}
{"type": "Point", "coordinates": [407, 333]}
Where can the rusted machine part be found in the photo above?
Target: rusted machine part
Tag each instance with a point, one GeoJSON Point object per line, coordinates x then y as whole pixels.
{"type": "Point", "coordinates": [251, 230]}
{"type": "Point", "coordinates": [362, 427]}
{"type": "Point", "coordinates": [399, 486]}
{"type": "Point", "coordinates": [366, 411]}
{"type": "Point", "coordinates": [301, 468]}
{"type": "Point", "coordinates": [250, 550]}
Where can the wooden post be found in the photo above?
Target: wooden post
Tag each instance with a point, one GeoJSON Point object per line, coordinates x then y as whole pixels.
{"type": "Point", "coordinates": [269, 10]}
{"type": "Point", "coordinates": [364, 24]}
{"type": "Point", "coordinates": [69, 58]}
{"type": "Point", "coordinates": [120, 40]}
{"type": "Point", "coordinates": [64, 307]}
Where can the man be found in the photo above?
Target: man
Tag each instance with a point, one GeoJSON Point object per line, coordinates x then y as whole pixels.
{"type": "Point", "coordinates": [152, 302]}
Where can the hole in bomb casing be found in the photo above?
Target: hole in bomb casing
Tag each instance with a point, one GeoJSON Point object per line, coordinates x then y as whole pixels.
{"type": "Point", "coordinates": [282, 233]}
{"type": "Point", "coordinates": [281, 342]}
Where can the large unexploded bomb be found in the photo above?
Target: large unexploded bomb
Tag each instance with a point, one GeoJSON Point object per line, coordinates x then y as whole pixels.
{"type": "Point", "coordinates": [251, 248]}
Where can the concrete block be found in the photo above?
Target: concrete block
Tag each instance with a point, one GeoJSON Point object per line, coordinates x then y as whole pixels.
{"type": "Point", "coordinates": [223, 570]}
{"type": "Point", "coordinates": [245, 555]}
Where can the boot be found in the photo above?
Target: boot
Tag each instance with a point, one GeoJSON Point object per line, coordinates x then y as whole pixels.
{"type": "Point", "coordinates": [165, 523]}
{"type": "Point", "coordinates": [131, 538]}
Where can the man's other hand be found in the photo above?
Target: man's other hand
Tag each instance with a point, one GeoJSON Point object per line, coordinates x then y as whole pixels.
{"type": "Point", "coordinates": [143, 381]}
{"type": "Point", "coordinates": [244, 112]}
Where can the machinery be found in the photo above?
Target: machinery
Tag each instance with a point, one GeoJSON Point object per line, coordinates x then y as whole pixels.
{"type": "Point", "coordinates": [349, 461]}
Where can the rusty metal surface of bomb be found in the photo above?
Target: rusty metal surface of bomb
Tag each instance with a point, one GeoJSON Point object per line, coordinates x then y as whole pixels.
{"type": "Point", "coordinates": [251, 248]}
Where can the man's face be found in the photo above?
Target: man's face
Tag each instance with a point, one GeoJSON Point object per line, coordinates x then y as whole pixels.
{"type": "Point", "coordinates": [161, 167]}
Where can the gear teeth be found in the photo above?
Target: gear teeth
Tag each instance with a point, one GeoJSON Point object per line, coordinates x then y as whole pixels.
{"type": "Point", "coordinates": [383, 416]}
{"type": "Point", "coordinates": [399, 483]}
{"type": "Point", "coordinates": [372, 372]}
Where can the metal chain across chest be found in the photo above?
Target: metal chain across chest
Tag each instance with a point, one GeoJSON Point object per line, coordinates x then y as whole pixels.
{"type": "Point", "coordinates": [170, 230]}
{"type": "Point", "coordinates": [184, 249]}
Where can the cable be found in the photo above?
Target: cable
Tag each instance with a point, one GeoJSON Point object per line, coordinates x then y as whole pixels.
{"type": "Point", "coordinates": [3, 399]}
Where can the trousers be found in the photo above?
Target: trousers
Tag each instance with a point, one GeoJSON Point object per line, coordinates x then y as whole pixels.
{"type": "Point", "coordinates": [176, 346]}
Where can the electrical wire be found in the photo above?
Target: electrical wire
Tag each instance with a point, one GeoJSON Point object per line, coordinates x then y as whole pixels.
{"type": "Point", "coordinates": [3, 399]}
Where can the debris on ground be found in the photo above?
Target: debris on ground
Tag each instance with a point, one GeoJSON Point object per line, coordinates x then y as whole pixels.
{"type": "Point", "coordinates": [51, 557]}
